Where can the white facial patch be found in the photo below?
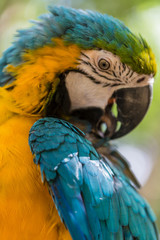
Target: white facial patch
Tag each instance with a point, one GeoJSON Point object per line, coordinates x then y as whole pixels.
{"type": "Point", "coordinates": [97, 76]}
{"type": "Point", "coordinates": [83, 92]}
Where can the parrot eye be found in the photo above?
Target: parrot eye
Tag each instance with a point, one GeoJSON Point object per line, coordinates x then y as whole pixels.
{"type": "Point", "coordinates": [103, 64]}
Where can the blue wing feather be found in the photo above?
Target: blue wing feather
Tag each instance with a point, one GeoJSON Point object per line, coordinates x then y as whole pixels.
{"type": "Point", "coordinates": [94, 199]}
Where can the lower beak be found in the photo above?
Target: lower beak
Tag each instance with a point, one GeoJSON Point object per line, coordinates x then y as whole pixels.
{"type": "Point", "coordinates": [132, 105]}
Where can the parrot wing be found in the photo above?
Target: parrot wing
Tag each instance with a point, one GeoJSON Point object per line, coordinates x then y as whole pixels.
{"type": "Point", "coordinates": [121, 163]}
{"type": "Point", "coordinates": [94, 199]}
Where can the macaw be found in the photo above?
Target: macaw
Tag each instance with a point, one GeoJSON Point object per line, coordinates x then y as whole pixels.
{"type": "Point", "coordinates": [63, 76]}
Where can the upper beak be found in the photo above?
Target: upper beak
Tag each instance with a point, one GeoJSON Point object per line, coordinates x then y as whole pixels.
{"type": "Point", "coordinates": [132, 105]}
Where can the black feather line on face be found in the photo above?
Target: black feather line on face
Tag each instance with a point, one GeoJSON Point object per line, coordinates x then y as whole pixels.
{"type": "Point", "coordinates": [124, 67]}
{"type": "Point", "coordinates": [86, 74]}
{"type": "Point", "coordinates": [100, 75]}
{"type": "Point", "coordinates": [85, 55]}
{"type": "Point", "coordinates": [141, 80]}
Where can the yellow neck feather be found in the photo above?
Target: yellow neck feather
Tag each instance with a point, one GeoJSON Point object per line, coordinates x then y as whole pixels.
{"type": "Point", "coordinates": [35, 77]}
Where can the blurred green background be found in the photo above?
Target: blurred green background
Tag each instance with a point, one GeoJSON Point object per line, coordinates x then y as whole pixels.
{"type": "Point", "coordinates": [141, 16]}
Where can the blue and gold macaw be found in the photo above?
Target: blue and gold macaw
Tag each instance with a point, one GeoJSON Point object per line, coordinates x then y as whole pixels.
{"type": "Point", "coordinates": [63, 75]}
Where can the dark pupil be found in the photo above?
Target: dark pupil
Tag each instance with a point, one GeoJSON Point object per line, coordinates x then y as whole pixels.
{"type": "Point", "coordinates": [103, 64]}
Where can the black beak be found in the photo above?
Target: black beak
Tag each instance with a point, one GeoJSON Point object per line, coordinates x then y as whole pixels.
{"type": "Point", "coordinates": [132, 105]}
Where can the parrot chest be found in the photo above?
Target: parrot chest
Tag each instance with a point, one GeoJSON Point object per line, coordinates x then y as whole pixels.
{"type": "Point", "coordinates": [26, 208]}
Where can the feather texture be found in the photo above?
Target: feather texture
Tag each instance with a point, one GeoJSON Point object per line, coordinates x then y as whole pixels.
{"type": "Point", "coordinates": [94, 199]}
{"type": "Point", "coordinates": [87, 30]}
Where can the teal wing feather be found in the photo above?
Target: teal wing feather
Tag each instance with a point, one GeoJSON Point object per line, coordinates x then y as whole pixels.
{"type": "Point", "coordinates": [94, 199]}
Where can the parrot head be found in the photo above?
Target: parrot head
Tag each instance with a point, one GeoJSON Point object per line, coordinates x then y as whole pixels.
{"type": "Point", "coordinates": [81, 64]}
{"type": "Point", "coordinates": [108, 93]}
